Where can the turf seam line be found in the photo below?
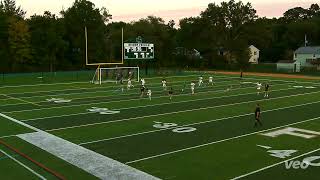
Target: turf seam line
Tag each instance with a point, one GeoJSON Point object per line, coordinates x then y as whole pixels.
{"type": "Point", "coordinates": [135, 107]}
{"type": "Point", "coordinates": [220, 141]}
{"type": "Point", "coordinates": [23, 165]}
{"type": "Point", "coordinates": [273, 165]}
{"type": "Point", "coordinates": [57, 175]}
{"type": "Point", "coordinates": [177, 112]}
{"type": "Point", "coordinates": [204, 122]}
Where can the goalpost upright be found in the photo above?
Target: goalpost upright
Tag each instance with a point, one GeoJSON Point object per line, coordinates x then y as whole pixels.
{"type": "Point", "coordinates": [98, 74]}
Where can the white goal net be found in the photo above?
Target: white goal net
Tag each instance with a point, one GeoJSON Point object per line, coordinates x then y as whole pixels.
{"type": "Point", "coordinates": [117, 74]}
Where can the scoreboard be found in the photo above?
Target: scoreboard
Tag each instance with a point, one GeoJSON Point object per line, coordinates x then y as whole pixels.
{"type": "Point", "coordinates": [138, 50]}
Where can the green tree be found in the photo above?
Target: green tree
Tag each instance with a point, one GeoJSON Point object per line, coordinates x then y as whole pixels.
{"type": "Point", "coordinates": [47, 43]}
{"type": "Point", "coordinates": [82, 14]}
{"type": "Point", "coordinates": [19, 43]}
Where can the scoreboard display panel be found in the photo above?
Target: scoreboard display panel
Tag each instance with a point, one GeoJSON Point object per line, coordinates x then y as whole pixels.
{"type": "Point", "coordinates": [138, 51]}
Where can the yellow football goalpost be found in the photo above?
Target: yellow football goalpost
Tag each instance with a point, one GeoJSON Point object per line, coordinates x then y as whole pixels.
{"type": "Point", "coordinates": [97, 74]}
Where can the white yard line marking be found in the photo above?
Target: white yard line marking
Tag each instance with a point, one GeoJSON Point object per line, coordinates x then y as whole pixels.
{"type": "Point", "coordinates": [177, 112]}
{"type": "Point", "coordinates": [220, 141]}
{"type": "Point", "coordinates": [203, 122]}
{"type": "Point", "coordinates": [23, 165]}
{"type": "Point", "coordinates": [273, 165]}
{"type": "Point", "coordinates": [91, 162]}
{"type": "Point", "coordinates": [2, 137]}
{"type": "Point", "coordinates": [28, 102]}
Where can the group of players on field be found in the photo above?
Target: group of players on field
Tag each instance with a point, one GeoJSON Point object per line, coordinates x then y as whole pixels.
{"type": "Point", "coordinates": [148, 92]}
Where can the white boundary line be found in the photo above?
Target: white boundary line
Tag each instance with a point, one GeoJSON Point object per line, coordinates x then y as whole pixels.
{"type": "Point", "coordinates": [23, 165]}
{"type": "Point", "coordinates": [220, 141]}
{"type": "Point", "coordinates": [177, 112]}
{"type": "Point", "coordinates": [197, 123]}
{"type": "Point", "coordinates": [273, 165]}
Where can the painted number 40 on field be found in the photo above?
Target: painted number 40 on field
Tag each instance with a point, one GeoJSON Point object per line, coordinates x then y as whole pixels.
{"type": "Point", "coordinates": [175, 127]}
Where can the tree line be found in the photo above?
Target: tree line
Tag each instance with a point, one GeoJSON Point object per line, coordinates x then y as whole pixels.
{"type": "Point", "coordinates": [52, 42]}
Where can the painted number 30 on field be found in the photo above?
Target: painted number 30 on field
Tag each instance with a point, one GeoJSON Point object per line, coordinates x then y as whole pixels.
{"type": "Point", "coordinates": [175, 127]}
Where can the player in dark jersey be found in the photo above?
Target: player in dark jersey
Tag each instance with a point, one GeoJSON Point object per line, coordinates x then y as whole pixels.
{"type": "Point", "coordinates": [257, 113]}
{"type": "Point", "coordinates": [170, 93]}
{"type": "Point", "coordinates": [266, 90]}
{"type": "Point", "coordinates": [142, 91]}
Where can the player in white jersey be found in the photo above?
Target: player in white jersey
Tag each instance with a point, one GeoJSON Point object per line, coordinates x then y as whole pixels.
{"type": "Point", "coordinates": [149, 93]}
{"type": "Point", "coordinates": [192, 87]}
{"type": "Point", "coordinates": [143, 82]}
{"type": "Point", "coordinates": [259, 86]}
{"type": "Point", "coordinates": [129, 85]}
{"type": "Point", "coordinates": [164, 84]}
{"type": "Point", "coordinates": [211, 80]}
{"type": "Point", "coordinates": [200, 81]}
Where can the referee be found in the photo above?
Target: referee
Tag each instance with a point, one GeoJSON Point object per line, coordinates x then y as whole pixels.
{"type": "Point", "coordinates": [257, 116]}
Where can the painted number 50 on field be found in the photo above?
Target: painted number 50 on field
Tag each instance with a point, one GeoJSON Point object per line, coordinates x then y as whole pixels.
{"type": "Point", "coordinates": [175, 127]}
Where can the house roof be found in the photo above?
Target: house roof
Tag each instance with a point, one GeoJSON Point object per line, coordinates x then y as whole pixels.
{"type": "Point", "coordinates": [308, 50]}
{"type": "Point", "coordinates": [286, 61]}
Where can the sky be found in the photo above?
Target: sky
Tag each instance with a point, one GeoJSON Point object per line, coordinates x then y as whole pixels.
{"type": "Point", "coordinates": [133, 10]}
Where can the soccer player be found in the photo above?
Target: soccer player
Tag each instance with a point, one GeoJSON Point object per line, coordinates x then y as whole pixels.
{"type": "Point", "coordinates": [143, 82]}
{"type": "Point", "coordinates": [184, 86]}
{"type": "Point", "coordinates": [142, 90]}
{"type": "Point", "coordinates": [211, 80]}
{"type": "Point", "coordinates": [129, 85]}
{"type": "Point", "coordinates": [241, 74]}
{"type": "Point", "coordinates": [259, 86]}
{"type": "Point", "coordinates": [266, 90]}
{"type": "Point", "coordinates": [200, 81]}
{"type": "Point", "coordinates": [257, 113]}
{"type": "Point", "coordinates": [149, 93]}
{"type": "Point", "coordinates": [164, 84]}
{"type": "Point", "coordinates": [192, 87]}
{"type": "Point", "coordinates": [170, 93]}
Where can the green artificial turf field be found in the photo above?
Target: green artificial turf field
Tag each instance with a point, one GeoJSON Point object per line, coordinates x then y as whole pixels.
{"type": "Point", "coordinates": [209, 135]}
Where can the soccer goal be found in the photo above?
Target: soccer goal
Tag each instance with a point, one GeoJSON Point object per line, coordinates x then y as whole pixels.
{"type": "Point", "coordinates": [116, 74]}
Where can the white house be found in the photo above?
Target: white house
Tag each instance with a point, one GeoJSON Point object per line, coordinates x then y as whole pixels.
{"type": "Point", "coordinates": [254, 54]}
{"type": "Point", "coordinates": [304, 55]}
